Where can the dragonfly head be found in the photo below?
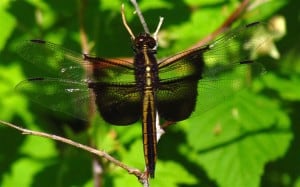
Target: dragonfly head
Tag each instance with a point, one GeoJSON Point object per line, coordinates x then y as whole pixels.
{"type": "Point", "coordinates": [144, 40]}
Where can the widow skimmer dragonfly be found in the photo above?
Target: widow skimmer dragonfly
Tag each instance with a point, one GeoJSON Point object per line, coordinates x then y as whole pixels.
{"type": "Point", "coordinates": [125, 92]}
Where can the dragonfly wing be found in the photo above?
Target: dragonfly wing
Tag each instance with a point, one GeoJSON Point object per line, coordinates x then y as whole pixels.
{"type": "Point", "coordinates": [64, 82]}
{"type": "Point", "coordinates": [236, 46]}
{"type": "Point", "coordinates": [118, 104]}
{"type": "Point", "coordinates": [69, 97]}
{"type": "Point", "coordinates": [117, 97]}
{"type": "Point", "coordinates": [231, 49]}
{"type": "Point", "coordinates": [59, 62]}
{"type": "Point", "coordinates": [177, 99]}
{"type": "Point", "coordinates": [51, 60]}
{"type": "Point", "coordinates": [177, 91]}
{"type": "Point", "coordinates": [228, 68]}
{"type": "Point", "coordinates": [230, 65]}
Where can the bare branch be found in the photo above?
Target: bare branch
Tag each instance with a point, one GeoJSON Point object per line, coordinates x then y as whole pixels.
{"type": "Point", "coordinates": [83, 35]}
{"type": "Point", "coordinates": [140, 175]}
{"type": "Point", "coordinates": [97, 173]}
{"type": "Point", "coordinates": [226, 24]}
{"type": "Point", "coordinates": [140, 15]}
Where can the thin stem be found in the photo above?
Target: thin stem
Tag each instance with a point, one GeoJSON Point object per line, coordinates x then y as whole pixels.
{"type": "Point", "coordinates": [97, 174]}
{"type": "Point", "coordinates": [97, 171]}
{"type": "Point", "coordinates": [226, 24]}
{"type": "Point", "coordinates": [83, 35]}
{"type": "Point", "coordinates": [140, 175]}
{"type": "Point", "coordinates": [140, 15]}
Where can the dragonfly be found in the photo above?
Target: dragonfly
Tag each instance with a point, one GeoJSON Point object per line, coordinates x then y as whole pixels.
{"type": "Point", "coordinates": [145, 89]}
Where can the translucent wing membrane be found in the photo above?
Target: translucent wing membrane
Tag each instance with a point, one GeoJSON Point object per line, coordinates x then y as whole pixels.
{"type": "Point", "coordinates": [59, 95]}
{"type": "Point", "coordinates": [234, 47]}
{"type": "Point", "coordinates": [229, 64]}
{"type": "Point", "coordinates": [52, 60]}
{"type": "Point", "coordinates": [212, 90]}
{"type": "Point", "coordinates": [61, 82]}
{"type": "Point", "coordinates": [228, 68]}
{"type": "Point", "coordinates": [56, 61]}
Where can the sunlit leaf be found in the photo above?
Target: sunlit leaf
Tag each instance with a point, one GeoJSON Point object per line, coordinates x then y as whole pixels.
{"type": "Point", "coordinates": [235, 140]}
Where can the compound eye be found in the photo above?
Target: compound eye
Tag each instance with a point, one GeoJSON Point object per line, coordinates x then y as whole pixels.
{"type": "Point", "coordinates": [144, 39]}
{"type": "Point", "coordinates": [151, 42]}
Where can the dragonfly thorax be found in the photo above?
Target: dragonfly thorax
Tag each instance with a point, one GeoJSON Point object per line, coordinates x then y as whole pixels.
{"type": "Point", "coordinates": [145, 63]}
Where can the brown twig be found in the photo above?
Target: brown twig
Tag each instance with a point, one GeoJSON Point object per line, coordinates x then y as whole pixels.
{"type": "Point", "coordinates": [99, 153]}
{"type": "Point", "coordinates": [140, 15]}
{"type": "Point", "coordinates": [166, 124]}
{"type": "Point", "coordinates": [97, 172]}
{"type": "Point", "coordinates": [83, 35]}
{"type": "Point", "coordinates": [225, 25]}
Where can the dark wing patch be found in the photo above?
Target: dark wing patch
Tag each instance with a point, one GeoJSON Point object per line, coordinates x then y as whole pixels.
{"type": "Point", "coordinates": [118, 104]}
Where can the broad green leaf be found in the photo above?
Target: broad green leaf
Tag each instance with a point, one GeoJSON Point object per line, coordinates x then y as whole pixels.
{"type": "Point", "coordinates": [7, 27]}
{"type": "Point", "coordinates": [235, 140]}
{"type": "Point", "coordinates": [204, 2]}
{"type": "Point", "coordinates": [287, 87]}
{"type": "Point", "coordinates": [134, 156]}
{"type": "Point", "coordinates": [22, 172]}
{"type": "Point", "coordinates": [170, 173]}
{"type": "Point", "coordinates": [291, 61]}
{"type": "Point", "coordinates": [7, 84]}
{"type": "Point", "coordinates": [297, 182]}
{"type": "Point", "coordinates": [110, 5]}
{"type": "Point", "coordinates": [264, 9]}
{"type": "Point", "coordinates": [32, 144]}
{"type": "Point", "coordinates": [155, 4]}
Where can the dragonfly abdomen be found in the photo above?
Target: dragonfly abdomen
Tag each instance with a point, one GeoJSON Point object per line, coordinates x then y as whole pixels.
{"type": "Point", "coordinates": [146, 75]}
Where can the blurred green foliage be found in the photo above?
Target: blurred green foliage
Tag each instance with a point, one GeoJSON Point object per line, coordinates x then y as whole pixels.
{"type": "Point", "coordinates": [250, 140]}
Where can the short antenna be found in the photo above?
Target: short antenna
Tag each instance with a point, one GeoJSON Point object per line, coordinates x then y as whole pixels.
{"type": "Point", "coordinates": [125, 23]}
{"type": "Point", "coordinates": [142, 20]}
{"type": "Point", "coordinates": [155, 34]}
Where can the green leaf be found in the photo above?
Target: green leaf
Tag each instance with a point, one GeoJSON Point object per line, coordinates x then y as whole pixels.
{"type": "Point", "coordinates": [7, 27]}
{"type": "Point", "coordinates": [170, 173]}
{"type": "Point", "coordinates": [24, 167]}
{"type": "Point", "coordinates": [155, 4]}
{"type": "Point", "coordinates": [235, 140]}
{"type": "Point", "coordinates": [297, 184]}
{"type": "Point", "coordinates": [134, 156]}
{"type": "Point", "coordinates": [32, 144]}
{"type": "Point", "coordinates": [287, 87]}
{"type": "Point", "coordinates": [264, 9]}
{"type": "Point", "coordinates": [7, 84]}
